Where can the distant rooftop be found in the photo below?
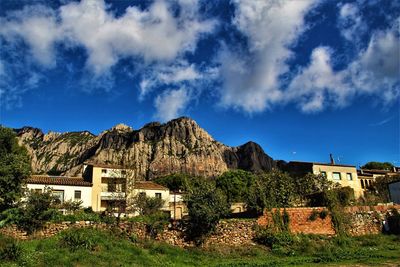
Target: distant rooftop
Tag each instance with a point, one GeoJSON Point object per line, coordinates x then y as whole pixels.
{"type": "Point", "coordinates": [148, 185]}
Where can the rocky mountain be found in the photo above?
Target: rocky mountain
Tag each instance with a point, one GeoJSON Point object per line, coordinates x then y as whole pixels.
{"type": "Point", "coordinates": [180, 145]}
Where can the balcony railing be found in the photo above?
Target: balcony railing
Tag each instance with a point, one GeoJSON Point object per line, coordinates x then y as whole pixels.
{"type": "Point", "coordinates": [112, 195]}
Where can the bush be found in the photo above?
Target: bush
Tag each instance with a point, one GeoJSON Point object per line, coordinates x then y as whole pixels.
{"type": "Point", "coordinates": [75, 239]}
{"type": "Point", "coordinates": [10, 250]}
{"type": "Point", "coordinates": [274, 240]}
{"type": "Point", "coordinates": [36, 210]}
{"type": "Point", "coordinates": [156, 223]}
{"type": "Point", "coordinates": [314, 215]}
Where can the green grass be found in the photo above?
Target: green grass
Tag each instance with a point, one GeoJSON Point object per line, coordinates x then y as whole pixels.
{"type": "Point", "coordinates": [108, 249]}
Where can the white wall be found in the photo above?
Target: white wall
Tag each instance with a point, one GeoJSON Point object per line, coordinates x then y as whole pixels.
{"type": "Point", "coordinates": [69, 192]}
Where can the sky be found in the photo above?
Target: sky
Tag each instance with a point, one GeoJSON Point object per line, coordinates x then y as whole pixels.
{"type": "Point", "coordinates": [301, 78]}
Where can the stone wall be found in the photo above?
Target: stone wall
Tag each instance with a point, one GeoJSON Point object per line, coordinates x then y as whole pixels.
{"type": "Point", "coordinates": [237, 232]}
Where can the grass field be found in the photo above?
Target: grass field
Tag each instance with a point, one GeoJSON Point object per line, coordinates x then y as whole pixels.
{"type": "Point", "coordinates": [89, 247]}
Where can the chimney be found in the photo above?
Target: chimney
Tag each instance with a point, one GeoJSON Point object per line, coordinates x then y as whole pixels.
{"type": "Point", "coordinates": [332, 160]}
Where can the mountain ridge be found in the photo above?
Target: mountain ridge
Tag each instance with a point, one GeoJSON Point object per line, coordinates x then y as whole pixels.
{"type": "Point", "coordinates": [179, 145]}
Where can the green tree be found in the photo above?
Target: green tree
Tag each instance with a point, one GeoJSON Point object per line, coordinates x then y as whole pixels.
{"type": "Point", "coordinates": [235, 184]}
{"type": "Point", "coordinates": [145, 205]}
{"type": "Point", "coordinates": [175, 182]}
{"type": "Point", "coordinates": [271, 190]}
{"type": "Point", "coordinates": [14, 168]}
{"type": "Point", "coordinates": [206, 206]}
{"type": "Point", "coordinates": [310, 184]}
{"type": "Point", "coordinates": [36, 210]}
{"type": "Point", "coordinates": [378, 165]}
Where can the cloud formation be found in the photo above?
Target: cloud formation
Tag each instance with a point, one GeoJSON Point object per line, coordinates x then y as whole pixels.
{"type": "Point", "coordinates": [251, 81]}
{"type": "Point", "coordinates": [251, 73]}
{"type": "Point", "coordinates": [171, 103]}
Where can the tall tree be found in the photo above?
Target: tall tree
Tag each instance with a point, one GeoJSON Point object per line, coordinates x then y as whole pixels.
{"type": "Point", "coordinates": [15, 167]}
{"type": "Point", "coordinates": [235, 184]}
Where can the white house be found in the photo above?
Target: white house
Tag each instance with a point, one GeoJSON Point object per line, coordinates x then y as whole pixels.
{"type": "Point", "coordinates": [65, 188]}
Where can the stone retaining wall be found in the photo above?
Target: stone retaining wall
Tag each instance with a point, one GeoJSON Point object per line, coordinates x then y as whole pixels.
{"type": "Point", "coordinates": [363, 220]}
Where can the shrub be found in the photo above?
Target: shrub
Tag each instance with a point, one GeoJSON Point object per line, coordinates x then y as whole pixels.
{"type": "Point", "coordinates": [323, 214]}
{"type": "Point", "coordinates": [272, 239]}
{"type": "Point", "coordinates": [156, 223]}
{"type": "Point", "coordinates": [75, 239]}
{"type": "Point", "coordinates": [314, 215]}
{"type": "Point", "coordinates": [36, 210]}
{"type": "Point", "coordinates": [10, 250]}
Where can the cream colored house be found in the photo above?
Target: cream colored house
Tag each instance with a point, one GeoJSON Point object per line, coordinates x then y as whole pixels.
{"type": "Point", "coordinates": [110, 183]}
{"type": "Point", "coordinates": [65, 188]}
{"type": "Point", "coordinates": [345, 175]}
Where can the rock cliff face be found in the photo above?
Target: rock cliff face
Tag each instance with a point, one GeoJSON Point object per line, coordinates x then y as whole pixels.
{"type": "Point", "coordinates": [156, 149]}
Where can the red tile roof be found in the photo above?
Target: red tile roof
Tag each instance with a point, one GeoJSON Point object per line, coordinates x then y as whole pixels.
{"type": "Point", "coordinates": [147, 185]}
{"type": "Point", "coordinates": [57, 180]}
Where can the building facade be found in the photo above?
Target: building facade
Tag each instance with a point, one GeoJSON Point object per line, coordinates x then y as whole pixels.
{"type": "Point", "coordinates": [345, 175]}
{"type": "Point", "coordinates": [65, 188]}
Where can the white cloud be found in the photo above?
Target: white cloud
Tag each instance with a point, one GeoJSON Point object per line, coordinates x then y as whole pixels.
{"type": "Point", "coordinates": [250, 82]}
{"type": "Point", "coordinates": [170, 104]}
{"type": "Point", "coordinates": [375, 71]}
{"type": "Point", "coordinates": [350, 22]}
{"type": "Point", "coordinates": [176, 74]}
{"type": "Point", "coordinates": [37, 26]}
{"type": "Point", "coordinates": [154, 34]}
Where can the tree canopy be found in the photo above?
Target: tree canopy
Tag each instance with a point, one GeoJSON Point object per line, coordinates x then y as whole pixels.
{"type": "Point", "coordinates": [206, 206]}
{"type": "Point", "coordinates": [375, 165]}
{"type": "Point", "coordinates": [235, 184]}
{"type": "Point", "coordinates": [15, 167]}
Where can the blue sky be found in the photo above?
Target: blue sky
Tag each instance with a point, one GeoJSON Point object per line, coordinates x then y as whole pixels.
{"type": "Point", "coordinates": [301, 78]}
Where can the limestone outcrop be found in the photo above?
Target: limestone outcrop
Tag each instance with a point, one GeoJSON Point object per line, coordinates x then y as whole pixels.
{"type": "Point", "coordinates": [180, 145]}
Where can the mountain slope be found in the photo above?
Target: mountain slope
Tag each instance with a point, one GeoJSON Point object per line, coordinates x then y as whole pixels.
{"type": "Point", "coordinates": [180, 145]}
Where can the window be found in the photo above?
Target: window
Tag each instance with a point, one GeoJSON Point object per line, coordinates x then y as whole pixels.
{"type": "Point", "coordinates": [349, 177]}
{"type": "Point", "coordinates": [158, 195]}
{"type": "Point", "coordinates": [123, 172]}
{"type": "Point", "coordinates": [142, 194]}
{"type": "Point", "coordinates": [59, 194]}
{"type": "Point", "coordinates": [336, 176]}
{"type": "Point", "coordinates": [78, 194]}
{"type": "Point", "coordinates": [323, 174]}
{"type": "Point", "coordinates": [103, 171]}
{"type": "Point", "coordinates": [362, 184]}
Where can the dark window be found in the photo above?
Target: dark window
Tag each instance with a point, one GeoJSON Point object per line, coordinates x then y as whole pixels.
{"type": "Point", "coordinates": [78, 194]}
{"type": "Point", "coordinates": [103, 171]}
{"type": "Point", "coordinates": [323, 174]}
{"type": "Point", "coordinates": [142, 194]}
{"type": "Point", "coordinates": [362, 184]}
{"type": "Point", "coordinates": [123, 172]}
{"type": "Point", "coordinates": [158, 195]}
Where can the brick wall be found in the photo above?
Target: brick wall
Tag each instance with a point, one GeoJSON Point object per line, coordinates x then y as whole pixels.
{"type": "Point", "coordinates": [362, 220]}
{"type": "Point", "coordinates": [300, 222]}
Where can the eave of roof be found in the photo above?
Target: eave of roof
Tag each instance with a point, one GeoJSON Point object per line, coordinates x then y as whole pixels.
{"type": "Point", "coordinates": [57, 180]}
